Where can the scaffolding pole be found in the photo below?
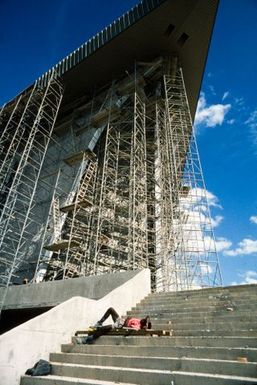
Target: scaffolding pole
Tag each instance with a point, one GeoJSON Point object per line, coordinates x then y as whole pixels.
{"type": "Point", "coordinates": [68, 224]}
{"type": "Point", "coordinates": [137, 240]}
{"type": "Point", "coordinates": [187, 252]}
{"type": "Point", "coordinates": [29, 143]}
{"type": "Point", "coordinates": [150, 206]}
{"type": "Point", "coordinates": [138, 198]}
{"type": "Point", "coordinates": [121, 204]}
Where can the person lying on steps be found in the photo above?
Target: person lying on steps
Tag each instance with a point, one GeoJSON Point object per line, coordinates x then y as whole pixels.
{"type": "Point", "coordinates": [118, 322]}
{"type": "Point", "coordinates": [128, 322]}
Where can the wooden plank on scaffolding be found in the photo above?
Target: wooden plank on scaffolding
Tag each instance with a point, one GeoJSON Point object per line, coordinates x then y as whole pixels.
{"type": "Point", "coordinates": [84, 203]}
{"type": "Point", "coordinates": [78, 157]}
{"type": "Point", "coordinates": [101, 117]}
{"type": "Point", "coordinates": [61, 245]}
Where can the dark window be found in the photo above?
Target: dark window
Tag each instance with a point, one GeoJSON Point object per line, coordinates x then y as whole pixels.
{"type": "Point", "coordinates": [183, 38]}
{"type": "Point", "coordinates": [169, 30]}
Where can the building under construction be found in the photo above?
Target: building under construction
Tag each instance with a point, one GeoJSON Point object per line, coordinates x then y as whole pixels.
{"type": "Point", "coordinates": [99, 166]}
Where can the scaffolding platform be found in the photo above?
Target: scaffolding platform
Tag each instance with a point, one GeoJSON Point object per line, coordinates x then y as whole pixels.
{"type": "Point", "coordinates": [101, 117]}
{"type": "Point", "coordinates": [85, 203]}
{"type": "Point", "coordinates": [61, 245]}
{"type": "Point", "coordinates": [79, 156]}
{"type": "Point", "coordinates": [128, 85]}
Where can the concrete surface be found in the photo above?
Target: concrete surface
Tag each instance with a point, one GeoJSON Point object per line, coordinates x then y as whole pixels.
{"type": "Point", "coordinates": [46, 380]}
{"type": "Point", "coordinates": [53, 293]}
{"type": "Point", "coordinates": [210, 345]}
{"type": "Point", "coordinates": [180, 378]}
{"type": "Point", "coordinates": [217, 353]}
{"type": "Point", "coordinates": [159, 363]}
{"type": "Point", "coordinates": [215, 341]}
{"type": "Point", "coordinates": [23, 346]}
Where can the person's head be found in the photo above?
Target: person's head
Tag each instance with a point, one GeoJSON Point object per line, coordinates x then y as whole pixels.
{"type": "Point", "coordinates": [145, 323]}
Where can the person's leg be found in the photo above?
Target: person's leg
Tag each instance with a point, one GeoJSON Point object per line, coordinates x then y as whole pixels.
{"type": "Point", "coordinates": [102, 331]}
{"type": "Point", "coordinates": [90, 339]}
{"type": "Point", "coordinates": [109, 312]}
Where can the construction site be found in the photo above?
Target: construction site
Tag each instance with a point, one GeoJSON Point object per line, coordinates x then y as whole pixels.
{"type": "Point", "coordinates": [100, 175]}
{"type": "Point", "coordinates": [119, 188]}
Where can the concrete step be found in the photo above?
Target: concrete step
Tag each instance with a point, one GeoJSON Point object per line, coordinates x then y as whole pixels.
{"type": "Point", "coordinates": [203, 316]}
{"type": "Point", "coordinates": [205, 331]}
{"type": "Point", "coordinates": [236, 325]}
{"type": "Point", "coordinates": [204, 294]}
{"type": "Point", "coordinates": [187, 309]}
{"type": "Point", "coordinates": [112, 373]}
{"type": "Point", "coordinates": [213, 333]}
{"type": "Point", "coordinates": [210, 312]}
{"type": "Point", "coordinates": [248, 369]}
{"type": "Point", "coordinates": [219, 353]}
{"type": "Point", "coordinates": [165, 319]}
{"type": "Point", "coordinates": [185, 378]}
{"type": "Point", "coordinates": [206, 317]}
{"type": "Point", "coordinates": [207, 346]}
{"type": "Point", "coordinates": [57, 380]}
{"type": "Point", "coordinates": [216, 341]}
{"type": "Point", "coordinates": [210, 332]}
{"type": "Point", "coordinates": [241, 289]}
{"type": "Point", "coordinates": [183, 303]}
{"type": "Point", "coordinates": [228, 311]}
{"type": "Point", "coordinates": [209, 297]}
{"type": "Point", "coordinates": [196, 304]}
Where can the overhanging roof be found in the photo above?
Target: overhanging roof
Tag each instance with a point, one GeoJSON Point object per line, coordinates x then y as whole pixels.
{"type": "Point", "coordinates": [150, 29]}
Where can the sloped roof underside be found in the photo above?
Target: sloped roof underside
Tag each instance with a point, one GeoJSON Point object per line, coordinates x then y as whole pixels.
{"type": "Point", "coordinates": [152, 28]}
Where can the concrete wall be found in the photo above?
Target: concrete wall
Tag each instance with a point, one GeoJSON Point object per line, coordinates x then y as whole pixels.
{"type": "Point", "coordinates": [52, 293]}
{"type": "Point", "coordinates": [23, 346]}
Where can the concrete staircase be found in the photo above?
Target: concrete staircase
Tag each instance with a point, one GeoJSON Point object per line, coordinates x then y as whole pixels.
{"type": "Point", "coordinates": [214, 342]}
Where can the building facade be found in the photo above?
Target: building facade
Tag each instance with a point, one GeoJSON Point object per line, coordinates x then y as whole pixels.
{"type": "Point", "coordinates": [99, 166]}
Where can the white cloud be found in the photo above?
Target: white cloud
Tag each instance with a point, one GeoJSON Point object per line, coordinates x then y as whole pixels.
{"type": "Point", "coordinates": [205, 268]}
{"type": "Point", "coordinates": [239, 101]}
{"type": "Point", "coordinates": [215, 222]}
{"type": "Point", "coordinates": [245, 247]}
{"type": "Point", "coordinates": [252, 120]}
{"type": "Point", "coordinates": [197, 195]}
{"type": "Point", "coordinates": [196, 213]}
{"type": "Point", "coordinates": [222, 244]}
{"type": "Point", "coordinates": [225, 95]}
{"type": "Point", "coordinates": [253, 219]}
{"type": "Point", "coordinates": [249, 277]}
{"type": "Point", "coordinates": [231, 121]}
{"type": "Point", "coordinates": [212, 89]}
{"type": "Point", "coordinates": [212, 200]}
{"type": "Point", "coordinates": [197, 222]}
{"type": "Point", "coordinates": [210, 116]}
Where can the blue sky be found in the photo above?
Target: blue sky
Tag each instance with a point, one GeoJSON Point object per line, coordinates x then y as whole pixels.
{"type": "Point", "coordinates": [226, 126]}
{"type": "Point", "coordinates": [35, 35]}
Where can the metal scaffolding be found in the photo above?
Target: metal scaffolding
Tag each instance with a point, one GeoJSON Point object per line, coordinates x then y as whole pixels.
{"type": "Point", "coordinates": [69, 224]}
{"type": "Point", "coordinates": [121, 214]}
{"type": "Point", "coordinates": [186, 247]}
{"type": "Point", "coordinates": [24, 142]}
{"type": "Point", "coordinates": [137, 198]}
